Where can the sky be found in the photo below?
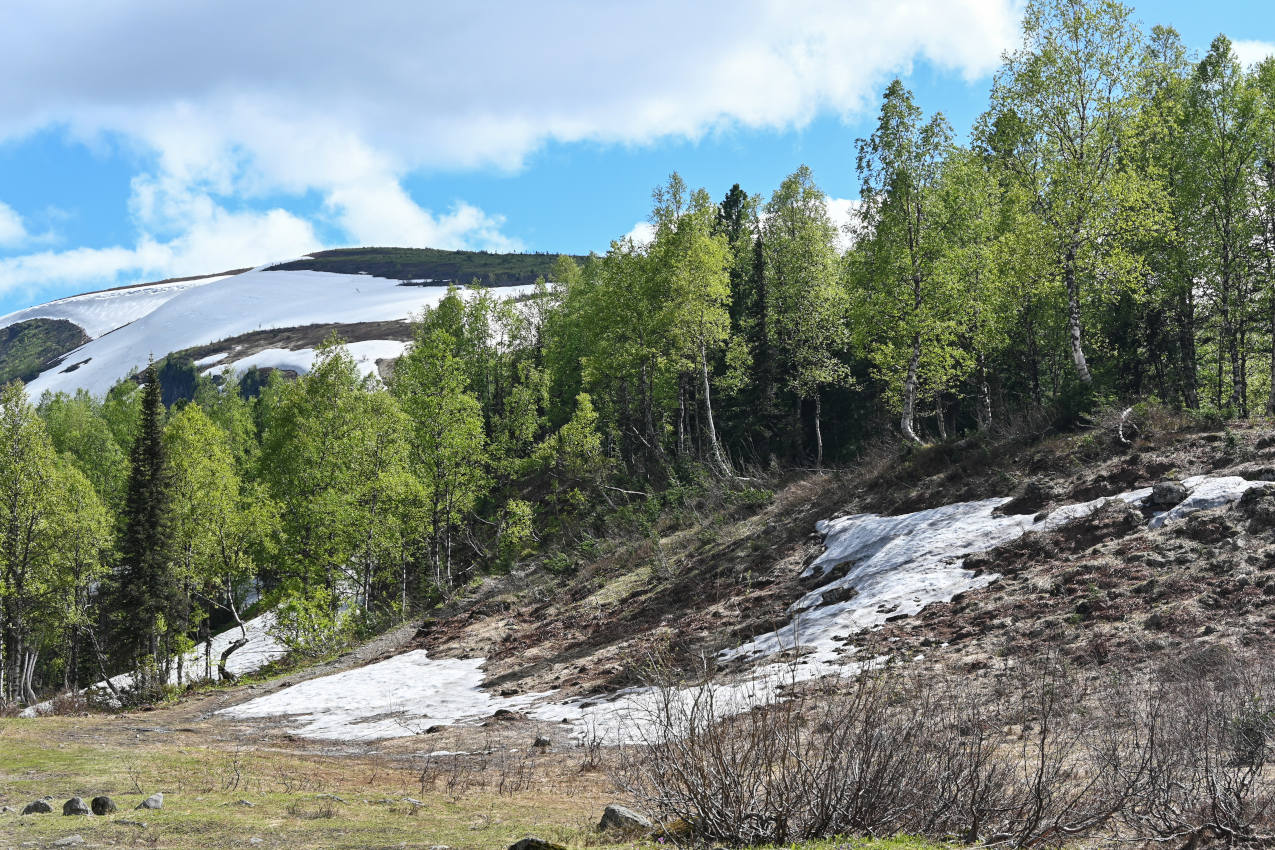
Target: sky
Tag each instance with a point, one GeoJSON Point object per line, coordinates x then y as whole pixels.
{"type": "Point", "coordinates": [142, 139]}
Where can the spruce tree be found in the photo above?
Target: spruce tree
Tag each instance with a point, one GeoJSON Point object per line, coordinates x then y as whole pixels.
{"type": "Point", "coordinates": [146, 596]}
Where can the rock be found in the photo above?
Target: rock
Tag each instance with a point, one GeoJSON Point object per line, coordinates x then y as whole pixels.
{"type": "Point", "coordinates": [4, 810]}
{"type": "Point", "coordinates": [69, 841]}
{"type": "Point", "coordinates": [1029, 499]}
{"type": "Point", "coordinates": [838, 594]}
{"type": "Point", "coordinates": [507, 715]}
{"type": "Point", "coordinates": [1258, 504]}
{"type": "Point", "coordinates": [1166, 493]}
{"type": "Point", "coordinates": [39, 807]}
{"type": "Point", "coordinates": [103, 806]}
{"type": "Point", "coordinates": [244, 803]}
{"type": "Point", "coordinates": [435, 729]}
{"type": "Point", "coordinates": [542, 742]}
{"type": "Point", "coordinates": [154, 801]}
{"type": "Point", "coordinates": [623, 819]}
{"type": "Point", "coordinates": [76, 806]}
{"type": "Point", "coordinates": [533, 843]}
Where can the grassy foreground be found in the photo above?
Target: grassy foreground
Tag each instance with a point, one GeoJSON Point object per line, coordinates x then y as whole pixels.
{"type": "Point", "coordinates": [300, 798]}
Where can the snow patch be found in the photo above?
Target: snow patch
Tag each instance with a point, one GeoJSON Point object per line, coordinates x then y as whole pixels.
{"type": "Point", "coordinates": [198, 664]}
{"type": "Point", "coordinates": [99, 313]}
{"type": "Point", "coordinates": [365, 355]}
{"type": "Point", "coordinates": [893, 566]}
{"type": "Point", "coordinates": [400, 696]}
{"type": "Point", "coordinates": [1204, 493]}
{"type": "Point", "coordinates": [203, 362]}
{"type": "Point", "coordinates": [196, 313]}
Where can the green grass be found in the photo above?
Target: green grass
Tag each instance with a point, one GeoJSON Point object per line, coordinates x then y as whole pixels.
{"type": "Point", "coordinates": [458, 267]}
{"type": "Point", "coordinates": [300, 798]}
{"type": "Point", "coordinates": [27, 348]}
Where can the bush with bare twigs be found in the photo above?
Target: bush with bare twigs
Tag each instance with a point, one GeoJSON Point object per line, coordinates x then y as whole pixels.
{"type": "Point", "coordinates": [1040, 757]}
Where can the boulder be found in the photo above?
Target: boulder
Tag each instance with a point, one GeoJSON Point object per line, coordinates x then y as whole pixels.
{"type": "Point", "coordinates": [541, 742]}
{"type": "Point", "coordinates": [1166, 493]}
{"type": "Point", "coordinates": [154, 801]}
{"type": "Point", "coordinates": [76, 806]}
{"type": "Point", "coordinates": [103, 806]}
{"type": "Point", "coordinates": [1028, 499]}
{"type": "Point", "coordinates": [533, 843]}
{"type": "Point", "coordinates": [623, 819]}
{"type": "Point", "coordinates": [39, 807]}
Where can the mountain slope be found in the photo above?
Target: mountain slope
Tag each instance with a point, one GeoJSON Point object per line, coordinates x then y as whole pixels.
{"type": "Point", "coordinates": [265, 317]}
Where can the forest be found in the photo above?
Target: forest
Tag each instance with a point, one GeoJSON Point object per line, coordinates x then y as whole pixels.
{"type": "Point", "coordinates": [1104, 238]}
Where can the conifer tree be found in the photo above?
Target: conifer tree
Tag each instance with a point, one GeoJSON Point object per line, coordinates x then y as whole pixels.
{"type": "Point", "coordinates": [146, 598]}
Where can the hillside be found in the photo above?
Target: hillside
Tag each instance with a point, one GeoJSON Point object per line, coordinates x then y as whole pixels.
{"type": "Point", "coordinates": [267, 317]}
{"type": "Point", "coordinates": [1094, 567]}
{"type": "Point", "coordinates": [431, 265]}
{"type": "Point", "coordinates": [29, 347]}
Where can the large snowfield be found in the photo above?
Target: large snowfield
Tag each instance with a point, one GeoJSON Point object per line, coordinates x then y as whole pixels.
{"type": "Point", "coordinates": [897, 566]}
{"type": "Point", "coordinates": [129, 326]}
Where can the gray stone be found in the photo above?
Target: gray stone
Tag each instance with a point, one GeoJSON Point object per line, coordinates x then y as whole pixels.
{"type": "Point", "coordinates": [4, 810]}
{"type": "Point", "coordinates": [69, 841]}
{"type": "Point", "coordinates": [154, 801]}
{"type": "Point", "coordinates": [76, 806]}
{"type": "Point", "coordinates": [533, 843]}
{"type": "Point", "coordinates": [103, 806]}
{"type": "Point", "coordinates": [39, 807]}
{"type": "Point", "coordinates": [623, 819]}
{"type": "Point", "coordinates": [1166, 493]}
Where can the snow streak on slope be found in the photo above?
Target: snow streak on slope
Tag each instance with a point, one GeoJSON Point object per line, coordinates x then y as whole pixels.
{"type": "Point", "coordinates": [896, 566]}
{"type": "Point", "coordinates": [100, 313]}
{"type": "Point", "coordinates": [365, 355]}
{"type": "Point", "coordinates": [260, 650]}
{"type": "Point", "coordinates": [254, 300]}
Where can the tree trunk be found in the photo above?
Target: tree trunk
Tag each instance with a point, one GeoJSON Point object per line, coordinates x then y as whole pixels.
{"type": "Point", "coordinates": [818, 430]}
{"type": "Point", "coordinates": [938, 416]}
{"type": "Point", "coordinates": [1073, 316]}
{"type": "Point", "coordinates": [984, 410]}
{"type": "Point", "coordinates": [909, 392]}
{"type": "Point", "coordinates": [718, 457]}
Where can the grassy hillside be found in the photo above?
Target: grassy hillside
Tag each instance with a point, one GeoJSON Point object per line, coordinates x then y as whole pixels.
{"type": "Point", "coordinates": [30, 347]}
{"type": "Point", "coordinates": [439, 267]}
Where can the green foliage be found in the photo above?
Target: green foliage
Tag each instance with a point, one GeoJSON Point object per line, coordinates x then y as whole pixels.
{"type": "Point", "coordinates": [307, 623]}
{"type": "Point", "coordinates": [28, 348]}
{"type": "Point", "coordinates": [431, 264]}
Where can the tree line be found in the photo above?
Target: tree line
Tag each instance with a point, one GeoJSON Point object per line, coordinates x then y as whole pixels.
{"type": "Point", "coordinates": [1106, 233]}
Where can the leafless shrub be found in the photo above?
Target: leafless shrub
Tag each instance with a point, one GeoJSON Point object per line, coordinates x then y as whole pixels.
{"type": "Point", "coordinates": [1043, 758]}
{"type": "Point", "coordinates": [1207, 777]}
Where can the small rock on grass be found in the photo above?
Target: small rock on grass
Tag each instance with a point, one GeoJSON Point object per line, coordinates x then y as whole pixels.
{"type": "Point", "coordinates": [39, 807]}
{"type": "Point", "coordinates": [103, 806]}
{"type": "Point", "coordinates": [533, 843]}
{"type": "Point", "coordinates": [623, 819]}
{"type": "Point", "coordinates": [76, 806]}
{"type": "Point", "coordinates": [154, 801]}
{"type": "Point", "coordinates": [69, 841]}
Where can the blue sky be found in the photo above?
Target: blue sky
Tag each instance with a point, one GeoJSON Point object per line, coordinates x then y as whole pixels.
{"type": "Point", "coordinates": [150, 140]}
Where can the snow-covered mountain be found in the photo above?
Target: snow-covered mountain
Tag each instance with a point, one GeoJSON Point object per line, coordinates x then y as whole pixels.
{"type": "Point", "coordinates": [264, 317]}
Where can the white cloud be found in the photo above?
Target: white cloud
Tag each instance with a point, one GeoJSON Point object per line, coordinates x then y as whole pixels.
{"type": "Point", "coordinates": [641, 234]}
{"type": "Point", "coordinates": [844, 213]}
{"type": "Point", "coordinates": [211, 239]}
{"type": "Point", "coordinates": [1252, 52]}
{"type": "Point", "coordinates": [240, 101]}
{"type": "Point", "coordinates": [12, 229]}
